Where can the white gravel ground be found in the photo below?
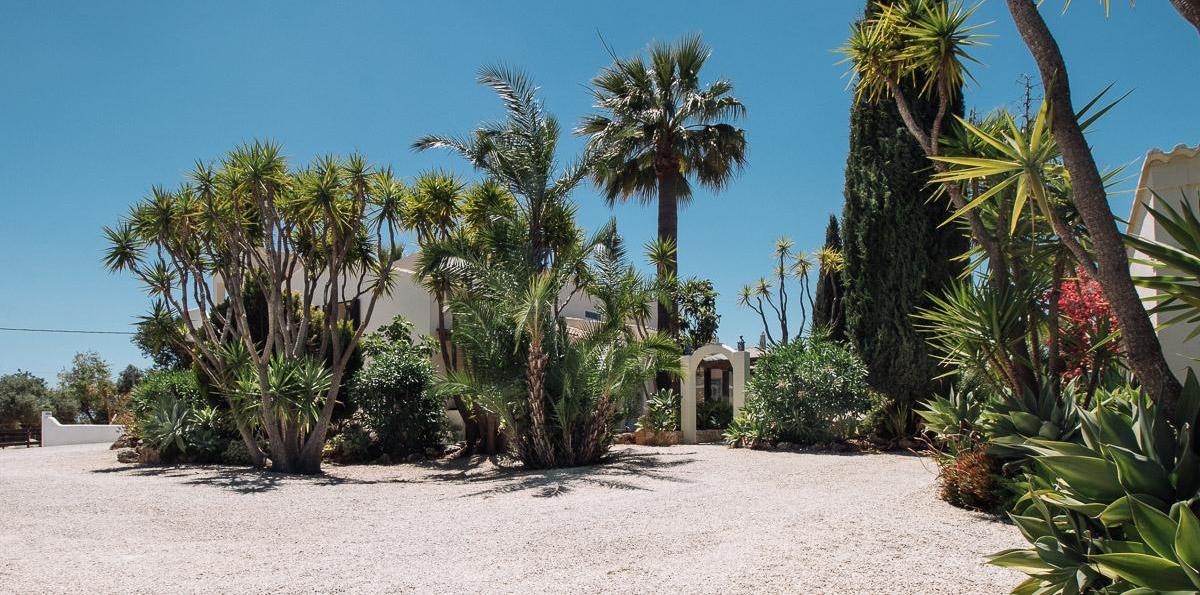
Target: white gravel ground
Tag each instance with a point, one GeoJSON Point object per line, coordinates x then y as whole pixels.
{"type": "Point", "coordinates": [702, 519]}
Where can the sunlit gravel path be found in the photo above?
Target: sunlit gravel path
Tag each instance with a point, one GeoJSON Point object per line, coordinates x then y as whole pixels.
{"type": "Point", "coordinates": [702, 519]}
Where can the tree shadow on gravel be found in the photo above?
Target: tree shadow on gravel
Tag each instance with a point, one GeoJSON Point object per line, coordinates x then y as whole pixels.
{"type": "Point", "coordinates": [240, 480]}
{"type": "Point", "coordinates": [618, 472]}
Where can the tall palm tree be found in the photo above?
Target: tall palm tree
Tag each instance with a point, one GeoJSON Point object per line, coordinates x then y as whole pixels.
{"type": "Point", "coordinates": [659, 130]}
{"type": "Point", "coordinates": [519, 153]}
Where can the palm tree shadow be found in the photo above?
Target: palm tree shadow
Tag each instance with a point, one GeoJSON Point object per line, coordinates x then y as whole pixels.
{"type": "Point", "coordinates": [240, 480]}
{"type": "Point", "coordinates": [621, 470]}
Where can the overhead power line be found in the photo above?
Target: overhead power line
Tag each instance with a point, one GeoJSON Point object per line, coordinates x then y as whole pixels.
{"type": "Point", "coordinates": [59, 330]}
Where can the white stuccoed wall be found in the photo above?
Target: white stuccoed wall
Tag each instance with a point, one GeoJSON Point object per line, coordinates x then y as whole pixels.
{"type": "Point", "coordinates": [57, 434]}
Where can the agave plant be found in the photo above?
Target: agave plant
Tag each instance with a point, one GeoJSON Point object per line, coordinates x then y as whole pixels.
{"type": "Point", "coordinates": [1115, 513]}
{"type": "Point", "coordinates": [1015, 420]}
{"type": "Point", "coordinates": [166, 424]}
{"type": "Point", "coordinates": [954, 419]}
{"type": "Point", "coordinates": [662, 412]}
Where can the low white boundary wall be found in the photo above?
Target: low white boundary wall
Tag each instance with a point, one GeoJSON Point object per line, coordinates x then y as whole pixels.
{"type": "Point", "coordinates": [57, 434]}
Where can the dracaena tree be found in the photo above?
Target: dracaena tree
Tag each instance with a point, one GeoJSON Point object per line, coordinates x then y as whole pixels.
{"type": "Point", "coordinates": [659, 129]}
{"type": "Point", "coordinates": [319, 243]}
{"type": "Point", "coordinates": [1045, 164]}
{"type": "Point", "coordinates": [770, 296]}
{"type": "Point", "coordinates": [438, 207]}
{"type": "Point", "coordinates": [1106, 258]}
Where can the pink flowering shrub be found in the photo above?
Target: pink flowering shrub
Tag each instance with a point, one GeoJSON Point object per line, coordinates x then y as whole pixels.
{"type": "Point", "coordinates": [1086, 319]}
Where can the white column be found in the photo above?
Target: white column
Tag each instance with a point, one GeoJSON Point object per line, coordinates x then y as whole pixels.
{"type": "Point", "coordinates": [741, 365]}
{"type": "Point", "coordinates": [687, 408]}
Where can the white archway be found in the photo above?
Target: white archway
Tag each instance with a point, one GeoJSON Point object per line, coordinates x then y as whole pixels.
{"type": "Point", "coordinates": [740, 360]}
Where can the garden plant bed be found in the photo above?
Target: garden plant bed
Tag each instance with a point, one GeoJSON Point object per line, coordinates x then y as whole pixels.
{"type": "Point", "coordinates": [702, 518]}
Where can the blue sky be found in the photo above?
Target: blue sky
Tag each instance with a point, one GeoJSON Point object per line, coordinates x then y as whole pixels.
{"type": "Point", "coordinates": [103, 100]}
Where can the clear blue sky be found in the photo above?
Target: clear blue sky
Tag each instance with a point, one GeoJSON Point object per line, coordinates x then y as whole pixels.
{"type": "Point", "coordinates": [101, 100]}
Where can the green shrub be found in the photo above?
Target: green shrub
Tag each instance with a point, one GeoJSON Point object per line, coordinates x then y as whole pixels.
{"type": "Point", "coordinates": [171, 414]}
{"type": "Point", "coordinates": [662, 412]}
{"type": "Point", "coordinates": [1010, 421]}
{"type": "Point", "coordinates": [751, 427]}
{"type": "Point", "coordinates": [19, 409]}
{"type": "Point", "coordinates": [713, 415]}
{"type": "Point", "coordinates": [353, 444]}
{"type": "Point", "coordinates": [24, 396]}
{"type": "Point", "coordinates": [392, 392]}
{"type": "Point", "coordinates": [803, 392]}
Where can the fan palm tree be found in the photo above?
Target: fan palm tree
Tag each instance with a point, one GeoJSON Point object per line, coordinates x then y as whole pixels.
{"type": "Point", "coordinates": [659, 129]}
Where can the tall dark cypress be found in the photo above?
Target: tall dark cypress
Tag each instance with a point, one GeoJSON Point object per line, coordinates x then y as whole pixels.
{"type": "Point", "coordinates": [895, 252]}
{"type": "Point", "coordinates": [829, 311]}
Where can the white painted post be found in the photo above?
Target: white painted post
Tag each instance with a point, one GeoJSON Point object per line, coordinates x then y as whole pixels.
{"type": "Point", "coordinates": [741, 366]}
{"type": "Point", "coordinates": [687, 408]}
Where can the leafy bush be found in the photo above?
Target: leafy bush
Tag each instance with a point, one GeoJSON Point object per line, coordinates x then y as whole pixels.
{"type": "Point", "coordinates": [1114, 512]}
{"type": "Point", "coordinates": [713, 415]}
{"type": "Point", "coordinates": [171, 414]}
{"type": "Point", "coordinates": [803, 392]}
{"type": "Point", "coordinates": [662, 412]}
{"type": "Point", "coordinates": [751, 427]}
{"type": "Point", "coordinates": [391, 392]}
{"type": "Point", "coordinates": [353, 444]}
{"type": "Point", "coordinates": [22, 398]}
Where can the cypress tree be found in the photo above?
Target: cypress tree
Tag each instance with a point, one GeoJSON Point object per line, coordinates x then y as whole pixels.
{"type": "Point", "coordinates": [829, 312]}
{"type": "Point", "coordinates": [894, 249]}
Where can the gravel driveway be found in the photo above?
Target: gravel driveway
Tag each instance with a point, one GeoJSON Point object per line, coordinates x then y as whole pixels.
{"type": "Point", "coordinates": [682, 519]}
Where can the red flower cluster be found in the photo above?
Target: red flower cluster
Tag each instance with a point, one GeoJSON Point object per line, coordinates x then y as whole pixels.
{"type": "Point", "coordinates": [1086, 319]}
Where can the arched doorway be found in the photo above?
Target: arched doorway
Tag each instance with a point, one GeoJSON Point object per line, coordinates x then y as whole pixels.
{"type": "Point", "coordinates": [739, 360]}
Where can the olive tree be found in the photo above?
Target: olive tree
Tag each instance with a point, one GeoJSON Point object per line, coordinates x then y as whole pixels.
{"type": "Point", "coordinates": [316, 242]}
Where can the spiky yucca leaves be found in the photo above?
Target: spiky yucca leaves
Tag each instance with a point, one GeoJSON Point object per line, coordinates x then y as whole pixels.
{"type": "Point", "coordinates": [1178, 268]}
{"type": "Point", "coordinates": [980, 328]}
{"type": "Point", "coordinates": [252, 224]}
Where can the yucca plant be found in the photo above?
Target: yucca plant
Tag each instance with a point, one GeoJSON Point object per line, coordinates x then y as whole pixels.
{"type": "Point", "coordinates": [267, 230]}
{"type": "Point", "coordinates": [981, 328]}
{"type": "Point", "coordinates": [1178, 268]}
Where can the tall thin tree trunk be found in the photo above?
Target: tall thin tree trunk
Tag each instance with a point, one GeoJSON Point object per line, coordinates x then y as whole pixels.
{"type": "Point", "coordinates": [668, 230]}
{"type": "Point", "coordinates": [1053, 326]}
{"type": "Point", "coordinates": [1141, 342]}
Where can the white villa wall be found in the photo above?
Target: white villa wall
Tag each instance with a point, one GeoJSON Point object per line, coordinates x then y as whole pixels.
{"type": "Point", "coordinates": [1174, 177]}
{"type": "Point", "coordinates": [57, 434]}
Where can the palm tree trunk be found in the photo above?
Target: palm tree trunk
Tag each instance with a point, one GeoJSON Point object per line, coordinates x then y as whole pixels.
{"type": "Point", "coordinates": [668, 230]}
{"type": "Point", "coordinates": [1141, 342]}
{"type": "Point", "coordinates": [536, 375]}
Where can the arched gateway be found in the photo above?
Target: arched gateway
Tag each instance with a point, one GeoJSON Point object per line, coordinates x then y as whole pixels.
{"type": "Point", "coordinates": [740, 362]}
